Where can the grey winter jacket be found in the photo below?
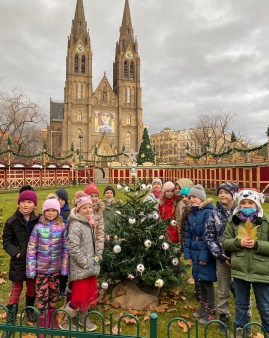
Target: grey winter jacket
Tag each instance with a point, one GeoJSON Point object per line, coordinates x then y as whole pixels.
{"type": "Point", "coordinates": [82, 247]}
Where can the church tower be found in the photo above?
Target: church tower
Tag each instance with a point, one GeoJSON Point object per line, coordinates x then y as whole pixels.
{"type": "Point", "coordinates": [107, 118]}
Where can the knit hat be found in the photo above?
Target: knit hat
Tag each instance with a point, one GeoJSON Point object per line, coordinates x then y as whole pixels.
{"type": "Point", "coordinates": [109, 187]}
{"type": "Point", "coordinates": [249, 194]}
{"type": "Point", "coordinates": [184, 191]}
{"type": "Point", "coordinates": [168, 186]}
{"type": "Point", "coordinates": [91, 189]}
{"type": "Point", "coordinates": [51, 203]}
{"type": "Point", "coordinates": [198, 191]}
{"type": "Point", "coordinates": [62, 193]}
{"type": "Point", "coordinates": [81, 198]}
{"type": "Point", "coordinates": [229, 186]}
{"type": "Point", "coordinates": [29, 195]}
{"type": "Point", "coordinates": [157, 180]}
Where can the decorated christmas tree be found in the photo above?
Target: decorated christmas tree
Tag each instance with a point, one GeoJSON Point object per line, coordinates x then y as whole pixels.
{"type": "Point", "coordinates": [139, 249]}
{"type": "Point", "coordinates": [146, 153]}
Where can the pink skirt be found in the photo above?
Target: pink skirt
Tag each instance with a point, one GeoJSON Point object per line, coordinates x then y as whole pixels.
{"type": "Point", "coordinates": [84, 293]}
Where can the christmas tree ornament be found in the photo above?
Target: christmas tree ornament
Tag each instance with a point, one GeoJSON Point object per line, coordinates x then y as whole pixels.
{"type": "Point", "coordinates": [133, 174]}
{"type": "Point", "coordinates": [147, 243]}
{"type": "Point", "coordinates": [175, 261]}
{"type": "Point", "coordinates": [127, 189]}
{"type": "Point", "coordinates": [132, 220]}
{"type": "Point", "coordinates": [156, 216]}
{"type": "Point", "coordinates": [133, 170]}
{"type": "Point", "coordinates": [119, 186]}
{"type": "Point", "coordinates": [130, 276]}
{"type": "Point", "coordinates": [165, 246]}
{"type": "Point", "coordinates": [159, 283]}
{"type": "Point", "coordinates": [173, 222]}
{"type": "Point", "coordinates": [118, 212]}
{"type": "Point", "coordinates": [104, 285]}
{"type": "Point", "coordinates": [143, 187]}
{"type": "Point", "coordinates": [149, 187]}
{"type": "Point", "coordinates": [136, 194]}
{"type": "Point", "coordinates": [140, 268]}
{"type": "Point", "coordinates": [116, 237]}
{"type": "Point", "coordinates": [117, 249]}
{"type": "Point", "coordinates": [108, 238]}
{"type": "Point", "coordinates": [161, 237]}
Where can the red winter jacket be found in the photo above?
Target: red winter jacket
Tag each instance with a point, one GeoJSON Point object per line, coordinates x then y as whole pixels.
{"type": "Point", "coordinates": [167, 208]}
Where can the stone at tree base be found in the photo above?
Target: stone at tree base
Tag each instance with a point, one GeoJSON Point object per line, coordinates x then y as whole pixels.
{"type": "Point", "coordinates": [134, 298]}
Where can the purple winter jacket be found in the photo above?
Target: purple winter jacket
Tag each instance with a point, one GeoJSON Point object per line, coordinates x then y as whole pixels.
{"type": "Point", "coordinates": [47, 250]}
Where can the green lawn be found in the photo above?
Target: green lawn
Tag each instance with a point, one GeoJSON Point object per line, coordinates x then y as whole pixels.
{"type": "Point", "coordinates": [181, 305]}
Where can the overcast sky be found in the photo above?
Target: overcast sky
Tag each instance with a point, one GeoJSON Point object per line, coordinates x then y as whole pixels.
{"type": "Point", "coordinates": [197, 56]}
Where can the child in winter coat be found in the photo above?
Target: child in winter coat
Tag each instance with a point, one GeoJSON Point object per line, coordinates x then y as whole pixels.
{"type": "Point", "coordinates": [246, 237]}
{"type": "Point", "coordinates": [98, 208]}
{"type": "Point", "coordinates": [16, 234]}
{"type": "Point", "coordinates": [197, 253]}
{"type": "Point", "coordinates": [84, 262]}
{"type": "Point", "coordinates": [215, 227]}
{"type": "Point", "coordinates": [185, 213]}
{"type": "Point", "coordinates": [167, 207]}
{"type": "Point", "coordinates": [155, 194]}
{"type": "Point", "coordinates": [47, 258]}
{"type": "Point", "coordinates": [110, 209]}
{"type": "Point", "coordinates": [65, 212]}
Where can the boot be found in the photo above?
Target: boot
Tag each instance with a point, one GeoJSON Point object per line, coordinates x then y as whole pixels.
{"type": "Point", "coordinates": [11, 318]}
{"type": "Point", "coordinates": [248, 329]}
{"type": "Point", "coordinates": [68, 295]}
{"type": "Point", "coordinates": [210, 314]}
{"type": "Point", "coordinates": [30, 313]}
{"type": "Point", "coordinates": [52, 322]}
{"type": "Point", "coordinates": [64, 323]}
{"type": "Point", "coordinates": [225, 320]}
{"type": "Point", "coordinates": [200, 312]}
{"type": "Point", "coordinates": [90, 326]}
{"type": "Point", "coordinates": [197, 291]}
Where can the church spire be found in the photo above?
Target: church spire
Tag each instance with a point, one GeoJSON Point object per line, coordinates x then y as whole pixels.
{"type": "Point", "coordinates": [79, 24]}
{"type": "Point", "coordinates": [126, 30]}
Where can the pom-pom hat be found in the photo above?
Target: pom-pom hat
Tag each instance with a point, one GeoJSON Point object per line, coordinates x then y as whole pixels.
{"type": "Point", "coordinates": [198, 191]}
{"type": "Point", "coordinates": [28, 195]}
{"type": "Point", "coordinates": [91, 189]}
{"type": "Point", "coordinates": [168, 186]}
{"type": "Point", "coordinates": [249, 194]}
{"type": "Point", "coordinates": [81, 198]}
{"type": "Point", "coordinates": [51, 203]}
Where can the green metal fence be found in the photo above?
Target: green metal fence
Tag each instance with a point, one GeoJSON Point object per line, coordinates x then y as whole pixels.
{"type": "Point", "coordinates": [153, 332]}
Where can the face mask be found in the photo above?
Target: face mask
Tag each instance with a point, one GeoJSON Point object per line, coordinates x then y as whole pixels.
{"type": "Point", "coordinates": [109, 200]}
{"type": "Point", "coordinates": [248, 211]}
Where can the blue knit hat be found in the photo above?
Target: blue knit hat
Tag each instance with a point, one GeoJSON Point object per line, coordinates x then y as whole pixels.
{"type": "Point", "coordinates": [184, 191]}
{"type": "Point", "coordinates": [62, 193]}
{"type": "Point", "coordinates": [229, 186]}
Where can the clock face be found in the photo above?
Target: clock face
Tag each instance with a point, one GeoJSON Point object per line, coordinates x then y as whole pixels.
{"type": "Point", "coordinates": [129, 55]}
{"type": "Point", "coordinates": [80, 48]}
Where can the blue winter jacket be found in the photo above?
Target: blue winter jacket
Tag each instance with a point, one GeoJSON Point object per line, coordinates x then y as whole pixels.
{"type": "Point", "coordinates": [214, 229]}
{"type": "Point", "coordinates": [195, 247]}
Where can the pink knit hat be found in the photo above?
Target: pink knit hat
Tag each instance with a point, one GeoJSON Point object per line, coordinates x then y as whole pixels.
{"type": "Point", "coordinates": [28, 195]}
{"type": "Point", "coordinates": [168, 186]}
{"type": "Point", "coordinates": [51, 203]}
{"type": "Point", "coordinates": [91, 189]}
{"type": "Point", "coordinates": [81, 198]}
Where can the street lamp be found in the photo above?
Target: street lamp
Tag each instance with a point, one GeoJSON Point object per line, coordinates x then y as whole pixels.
{"type": "Point", "coordinates": [79, 158]}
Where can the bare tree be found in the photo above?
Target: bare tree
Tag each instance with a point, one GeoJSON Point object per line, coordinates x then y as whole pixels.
{"type": "Point", "coordinates": [21, 120]}
{"type": "Point", "coordinates": [213, 132]}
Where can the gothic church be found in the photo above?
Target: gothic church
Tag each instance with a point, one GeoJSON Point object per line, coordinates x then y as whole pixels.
{"type": "Point", "coordinates": [108, 117]}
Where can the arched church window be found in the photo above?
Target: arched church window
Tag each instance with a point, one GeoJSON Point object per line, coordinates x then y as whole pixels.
{"type": "Point", "coordinates": [76, 64]}
{"type": "Point", "coordinates": [79, 116]}
{"type": "Point", "coordinates": [132, 70]}
{"type": "Point", "coordinates": [79, 90]}
{"type": "Point", "coordinates": [83, 64]}
{"type": "Point", "coordinates": [128, 95]}
{"type": "Point", "coordinates": [125, 70]}
{"type": "Point", "coordinates": [128, 142]}
{"type": "Point", "coordinates": [128, 120]}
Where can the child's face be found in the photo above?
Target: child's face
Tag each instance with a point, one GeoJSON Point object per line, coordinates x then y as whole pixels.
{"type": "Point", "coordinates": [109, 194]}
{"type": "Point", "coordinates": [225, 197]}
{"type": "Point", "coordinates": [51, 214]}
{"type": "Point", "coordinates": [247, 204]}
{"type": "Point", "coordinates": [169, 193]}
{"type": "Point", "coordinates": [61, 201]}
{"type": "Point", "coordinates": [26, 206]}
{"type": "Point", "coordinates": [177, 189]}
{"type": "Point", "coordinates": [194, 200]}
{"type": "Point", "coordinates": [156, 186]}
{"type": "Point", "coordinates": [86, 210]}
{"type": "Point", "coordinates": [94, 198]}
{"type": "Point", "coordinates": [185, 199]}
